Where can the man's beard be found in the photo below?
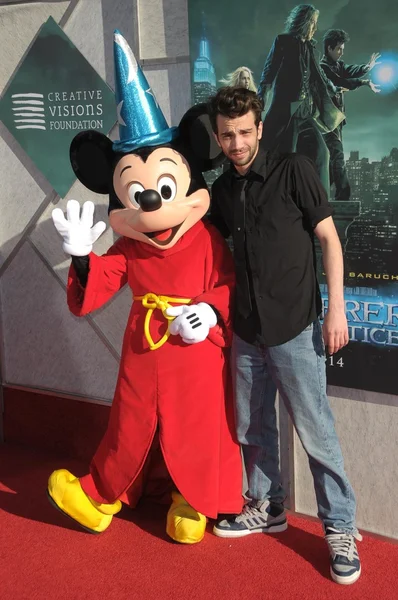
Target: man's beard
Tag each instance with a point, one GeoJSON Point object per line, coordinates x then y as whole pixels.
{"type": "Point", "coordinates": [244, 160]}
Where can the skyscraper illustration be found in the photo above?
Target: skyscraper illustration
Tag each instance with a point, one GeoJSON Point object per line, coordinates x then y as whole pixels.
{"type": "Point", "coordinates": [205, 85]}
{"type": "Point", "coordinates": [204, 76]}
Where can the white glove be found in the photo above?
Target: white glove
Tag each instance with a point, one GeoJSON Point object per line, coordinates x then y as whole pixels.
{"type": "Point", "coordinates": [193, 322]}
{"type": "Point", "coordinates": [78, 232]}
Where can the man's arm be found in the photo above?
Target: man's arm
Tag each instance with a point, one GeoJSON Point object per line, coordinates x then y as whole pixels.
{"type": "Point", "coordinates": [361, 70]}
{"type": "Point", "coordinates": [343, 82]}
{"type": "Point", "coordinates": [271, 67]}
{"type": "Point", "coordinates": [312, 200]}
{"type": "Point", "coordinates": [353, 71]}
{"type": "Point", "coordinates": [335, 329]}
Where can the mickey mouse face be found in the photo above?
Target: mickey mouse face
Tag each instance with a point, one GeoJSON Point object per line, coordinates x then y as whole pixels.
{"type": "Point", "coordinates": [157, 210]}
{"type": "Point", "coordinates": [154, 195]}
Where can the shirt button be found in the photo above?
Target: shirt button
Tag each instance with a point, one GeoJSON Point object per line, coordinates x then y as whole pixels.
{"type": "Point", "coordinates": [238, 228]}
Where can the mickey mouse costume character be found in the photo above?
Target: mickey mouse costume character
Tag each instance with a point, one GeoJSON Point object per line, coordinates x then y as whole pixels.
{"type": "Point", "coordinates": [171, 422]}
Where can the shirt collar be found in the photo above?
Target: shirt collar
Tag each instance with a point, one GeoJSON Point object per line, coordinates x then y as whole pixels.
{"type": "Point", "coordinates": [255, 171]}
{"type": "Point", "coordinates": [328, 60]}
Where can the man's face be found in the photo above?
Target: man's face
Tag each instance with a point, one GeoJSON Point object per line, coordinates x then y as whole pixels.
{"type": "Point", "coordinates": [239, 138]}
{"type": "Point", "coordinates": [244, 79]}
{"type": "Point", "coordinates": [313, 27]}
{"type": "Point", "coordinates": [336, 53]}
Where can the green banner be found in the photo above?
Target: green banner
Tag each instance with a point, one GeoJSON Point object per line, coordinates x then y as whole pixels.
{"type": "Point", "coordinates": [55, 94]}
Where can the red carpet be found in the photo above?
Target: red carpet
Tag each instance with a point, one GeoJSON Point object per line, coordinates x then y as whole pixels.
{"type": "Point", "coordinates": [44, 556]}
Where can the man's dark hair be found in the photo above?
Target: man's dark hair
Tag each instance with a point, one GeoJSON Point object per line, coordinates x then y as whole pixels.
{"type": "Point", "coordinates": [333, 37]}
{"type": "Point", "coordinates": [234, 102]}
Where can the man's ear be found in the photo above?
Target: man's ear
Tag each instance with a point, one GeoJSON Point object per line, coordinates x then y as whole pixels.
{"type": "Point", "coordinates": [260, 130]}
{"type": "Point", "coordinates": [197, 133]}
{"type": "Point", "coordinates": [91, 157]}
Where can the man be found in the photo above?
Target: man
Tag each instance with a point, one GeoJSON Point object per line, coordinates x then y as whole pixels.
{"type": "Point", "coordinates": [273, 205]}
{"type": "Point", "coordinates": [301, 108]}
{"type": "Point", "coordinates": [344, 77]}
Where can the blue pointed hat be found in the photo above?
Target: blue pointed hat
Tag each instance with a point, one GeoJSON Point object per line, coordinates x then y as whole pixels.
{"type": "Point", "coordinates": [141, 121]}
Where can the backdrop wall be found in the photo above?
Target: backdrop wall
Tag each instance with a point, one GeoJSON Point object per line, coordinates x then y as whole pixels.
{"type": "Point", "coordinates": [73, 362]}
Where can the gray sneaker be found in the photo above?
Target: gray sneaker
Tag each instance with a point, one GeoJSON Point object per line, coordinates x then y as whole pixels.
{"type": "Point", "coordinates": [345, 566]}
{"type": "Point", "coordinates": [256, 517]}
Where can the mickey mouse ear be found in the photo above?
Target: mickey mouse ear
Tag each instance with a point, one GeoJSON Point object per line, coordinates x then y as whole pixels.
{"type": "Point", "coordinates": [195, 129]}
{"type": "Point", "coordinates": [91, 159]}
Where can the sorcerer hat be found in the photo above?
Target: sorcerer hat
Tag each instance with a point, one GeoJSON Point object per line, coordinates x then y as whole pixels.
{"type": "Point", "coordinates": [141, 121]}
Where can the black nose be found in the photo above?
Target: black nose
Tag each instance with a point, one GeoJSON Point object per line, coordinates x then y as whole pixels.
{"type": "Point", "coordinates": [150, 200]}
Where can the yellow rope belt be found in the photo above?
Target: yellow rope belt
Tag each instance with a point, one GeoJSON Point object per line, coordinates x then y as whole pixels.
{"type": "Point", "coordinates": [152, 302]}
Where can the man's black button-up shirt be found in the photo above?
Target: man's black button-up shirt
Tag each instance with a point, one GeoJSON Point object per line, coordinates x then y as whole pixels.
{"type": "Point", "coordinates": [271, 213]}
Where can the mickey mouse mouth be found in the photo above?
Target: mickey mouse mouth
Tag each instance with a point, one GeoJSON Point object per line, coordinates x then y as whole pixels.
{"type": "Point", "coordinates": [165, 236]}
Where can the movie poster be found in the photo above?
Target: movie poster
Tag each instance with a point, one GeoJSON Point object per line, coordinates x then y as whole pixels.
{"type": "Point", "coordinates": [228, 34]}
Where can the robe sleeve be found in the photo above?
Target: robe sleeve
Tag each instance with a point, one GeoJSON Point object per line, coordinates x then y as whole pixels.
{"type": "Point", "coordinates": [350, 71]}
{"type": "Point", "coordinates": [107, 275]}
{"type": "Point", "coordinates": [271, 68]}
{"type": "Point", "coordinates": [219, 286]}
{"type": "Point", "coordinates": [344, 79]}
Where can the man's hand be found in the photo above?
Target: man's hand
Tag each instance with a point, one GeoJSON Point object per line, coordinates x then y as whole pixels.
{"type": "Point", "coordinates": [374, 87]}
{"type": "Point", "coordinates": [193, 322]}
{"type": "Point", "coordinates": [374, 60]}
{"type": "Point", "coordinates": [77, 232]}
{"type": "Point", "coordinates": [335, 331]}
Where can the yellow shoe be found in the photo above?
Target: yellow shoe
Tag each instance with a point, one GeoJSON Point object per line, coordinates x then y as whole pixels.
{"type": "Point", "coordinates": [184, 523]}
{"type": "Point", "coordinates": [66, 493]}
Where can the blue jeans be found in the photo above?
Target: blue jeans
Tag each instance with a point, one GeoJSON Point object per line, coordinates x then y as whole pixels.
{"type": "Point", "coordinates": [297, 370]}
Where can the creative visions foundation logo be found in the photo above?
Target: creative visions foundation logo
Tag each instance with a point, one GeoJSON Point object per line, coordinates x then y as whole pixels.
{"type": "Point", "coordinates": [73, 109]}
{"type": "Point", "coordinates": [55, 94]}
{"type": "Point", "coordinates": [28, 111]}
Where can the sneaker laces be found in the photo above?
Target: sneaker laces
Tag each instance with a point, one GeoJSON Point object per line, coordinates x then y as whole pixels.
{"type": "Point", "coordinates": [342, 544]}
{"type": "Point", "coordinates": [251, 510]}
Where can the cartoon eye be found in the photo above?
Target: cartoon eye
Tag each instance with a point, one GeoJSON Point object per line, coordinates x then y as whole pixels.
{"type": "Point", "coordinates": [135, 190]}
{"type": "Point", "coordinates": [167, 188]}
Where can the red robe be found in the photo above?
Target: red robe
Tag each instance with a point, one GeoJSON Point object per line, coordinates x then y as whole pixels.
{"type": "Point", "coordinates": [182, 392]}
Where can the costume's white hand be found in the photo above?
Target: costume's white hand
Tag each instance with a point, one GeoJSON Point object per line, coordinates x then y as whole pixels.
{"type": "Point", "coordinates": [193, 322]}
{"type": "Point", "coordinates": [77, 231]}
